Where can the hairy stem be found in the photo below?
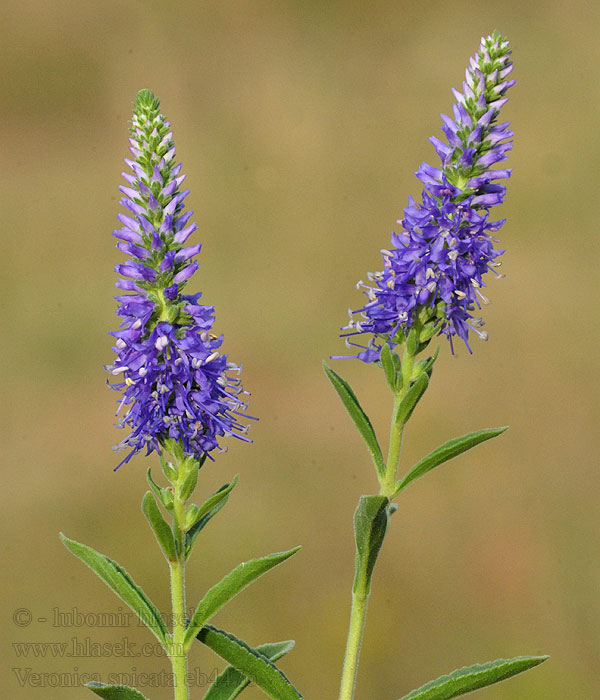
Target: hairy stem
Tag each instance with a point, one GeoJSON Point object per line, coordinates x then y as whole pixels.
{"type": "Point", "coordinates": [177, 655]}
{"type": "Point", "coordinates": [360, 599]}
{"type": "Point", "coordinates": [360, 595]}
{"type": "Point", "coordinates": [388, 483]}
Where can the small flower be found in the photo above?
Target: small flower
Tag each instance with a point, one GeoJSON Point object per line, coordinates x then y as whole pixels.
{"type": "Point", "coordinates": [175, 382]}
{"type": "Point", "coordinates": [432, 277]}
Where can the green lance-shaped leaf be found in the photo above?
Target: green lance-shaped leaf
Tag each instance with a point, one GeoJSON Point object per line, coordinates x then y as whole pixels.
{"type": "Point", "coordinates": [360, 418]}
{"type": "Point", "coordinates": [408, 356]}
{"type": "Point", "coordinates": [229, 684]}
{"type": "Point", "coordinates": [162, 532]}
{"type": "Point", "coordinates": [164, 496]}
{"type": "Point", "coordinates": [424, 365]}
{"type": "Point", "coordinates": [191, 478]}
{"type": "Point", "coordinates": [228, 587]}
{"type": "Point", "coordinates": [249, 662]}
{"type": "Point", "coordinates": [470, 678]}
{"type": "Point", "coordinates": [122, 584]}
{"type": "Point", "coordinates": [393, 377]}
{"type": "Point", "coordinates": [218, 497]}
{"type": "Point", "coordinates": [411, 399]}
{"type": "Point", "coordinates": [168, 468]}
{"type": "Point", "coordinates": [370, 525]}
{"type": "Point", "coordinates": [447, 451]}
{"type": "Point", "coordinates": [431, 361]}
{"type": "Point", "coordinates": [206, 512]}
{"type": "Point", "coordinates": [115, 692]}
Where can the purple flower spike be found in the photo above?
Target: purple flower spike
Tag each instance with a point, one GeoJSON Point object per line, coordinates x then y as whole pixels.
{"type": "Point", "coordinates": [432, 276]}
{"type": "Point", "coordinates": [175, 383]}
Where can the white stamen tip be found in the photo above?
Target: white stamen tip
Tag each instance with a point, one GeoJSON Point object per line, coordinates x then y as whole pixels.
{"type": "Point", "coordinates": [161, 342]}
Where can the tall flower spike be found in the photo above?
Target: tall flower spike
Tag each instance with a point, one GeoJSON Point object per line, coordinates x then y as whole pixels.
{"type": "Point", "coordinates": [175, 383]}
{"type": "Point", "coordinates": [432, 275]}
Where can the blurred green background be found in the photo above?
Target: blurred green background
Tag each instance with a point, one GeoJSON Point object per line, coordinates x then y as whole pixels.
{"type": "Point", "coordinates": [300, 126]}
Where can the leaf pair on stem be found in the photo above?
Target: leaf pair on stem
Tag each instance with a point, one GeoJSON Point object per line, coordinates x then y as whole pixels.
{"type": "Point", "coordinates": [247, 664]}
{"type": "Point", "coordinates": [408, 380]}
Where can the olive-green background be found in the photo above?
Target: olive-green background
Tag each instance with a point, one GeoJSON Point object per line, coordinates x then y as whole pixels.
{"type": "Point", "coordinates": [300, 125]}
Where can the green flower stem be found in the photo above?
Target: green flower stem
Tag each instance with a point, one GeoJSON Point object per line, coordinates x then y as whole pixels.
{"type": "Point", "coordinates": [177, 654]}
{"type": "Point", "coordinates": [360, 599]}
{"type": "Point", "coordinates": [388, 483]}
{"type": "Point", "coordinates": [360, 595]}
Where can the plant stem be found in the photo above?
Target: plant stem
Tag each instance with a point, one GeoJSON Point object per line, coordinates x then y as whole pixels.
{"type": "Point", "coordinates": [388, 485]}
{"type": "Point", "coordinates": [360, 599]}
{"type": "Point", "coordinates": [360, 594]}
{"type": "Point", "coordinates": [178, 656]}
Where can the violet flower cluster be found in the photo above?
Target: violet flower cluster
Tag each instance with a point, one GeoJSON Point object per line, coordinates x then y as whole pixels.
{"type": "Point", "coordinates": [175, 383]}
{"type": "Point", "coordinates": [433, 274]}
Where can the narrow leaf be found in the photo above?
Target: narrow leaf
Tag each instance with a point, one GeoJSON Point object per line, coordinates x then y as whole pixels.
{"type": "Point", "coordinates": [389, 368]}
{"type": "Point", "coordinates": [370, 525]}
{"type": "Point", "coordinates": [412, 341]}
{"type": "Point", "coordinates": [165, 496]}
{"type": "Point", "coordinates": [411, 399]}
{"type": "Point", "coordinates": [206, 512]}
{"type": "Point", "coordinates": [190, 481]}
{"type": "Point", "coordinates": [162, 532]}
{"type": "Point", "coordinates": [424, 365]}
{"type": "Point", "coordinates": [465, 680]}
{"type": "Point", "coordinates": [122, 584]}
{"type": "Point", "coordinates": [217, 497]}
{"type": "Point", "coordinates": [447, 451]}
{"type": "Point", "coordinates": [115, 692]}
{"type": "Point", "coordinates": [168, 469]}
{"type": "Point", "coordinates": [228, 587]}
{"type": "Point", "coordinates": [250, 662]}
{"type": "Point", "coordinates": [360, 418]}
{"type": "Point", "coordinates": [229, 684]}
{"type": "Point", "coordinates": [430, 362]}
